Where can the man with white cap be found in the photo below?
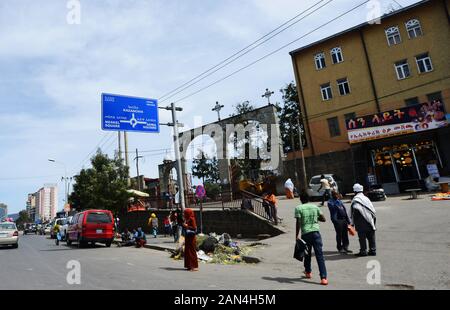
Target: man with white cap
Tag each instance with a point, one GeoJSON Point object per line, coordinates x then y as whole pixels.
{"type": "Point", "coordinates": [364, 219]}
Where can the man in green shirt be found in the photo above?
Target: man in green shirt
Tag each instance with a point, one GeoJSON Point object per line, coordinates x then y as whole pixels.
{"type": "Point", "coordinates": [308, 217]}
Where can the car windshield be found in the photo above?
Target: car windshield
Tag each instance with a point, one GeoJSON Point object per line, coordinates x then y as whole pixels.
{"type": "Point", "coordinates": [7, 227]}
{"type": "Point", "coordinates": [315, 180]}
{"type": "Point", "coordinates": [98, 217]}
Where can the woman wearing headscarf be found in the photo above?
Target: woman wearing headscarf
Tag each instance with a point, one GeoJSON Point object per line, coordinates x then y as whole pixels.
{"type": "Point", "coordinates": [190, 243]}
{"type": "Point", "coordinates": [153, 223]}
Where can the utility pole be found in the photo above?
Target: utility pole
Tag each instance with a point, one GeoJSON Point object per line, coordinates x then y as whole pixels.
{"type": "Point", "coordinates": [119, 138]}
{"type": "Point", "coordinates": [300, 135]}
{"type": "Point", "coordinates": [217, 109]}
{"type": "Point", "coordinates": [138, 179]}
{"type": "Point", "coordinates": [267, 95]}
{"type": "Point", "coordinates": [127, 164]}
{"type": "Point", "coordinates": [176, 140]}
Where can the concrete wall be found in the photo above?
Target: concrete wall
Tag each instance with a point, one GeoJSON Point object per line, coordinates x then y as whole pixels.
{"type": "Point", "coordinates": [218, 221]}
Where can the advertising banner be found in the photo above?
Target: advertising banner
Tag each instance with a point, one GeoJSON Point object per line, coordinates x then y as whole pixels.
{"type": "Point", "coordinates": [417, 118]}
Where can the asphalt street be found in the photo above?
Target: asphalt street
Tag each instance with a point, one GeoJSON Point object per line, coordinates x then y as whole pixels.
{"type": "Point", "coordinates": [413, 247]}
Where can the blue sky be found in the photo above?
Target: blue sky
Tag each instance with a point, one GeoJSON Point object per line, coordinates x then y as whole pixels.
{"type": "Point", "coordinates": [52, 73]}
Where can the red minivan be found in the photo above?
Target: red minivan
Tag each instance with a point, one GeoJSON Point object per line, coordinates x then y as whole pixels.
{"type": "Point", "coordinates": [91, 226]}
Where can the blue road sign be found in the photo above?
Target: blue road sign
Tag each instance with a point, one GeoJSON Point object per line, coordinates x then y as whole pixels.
{"type": "Point", "coordinates": [124, 113]}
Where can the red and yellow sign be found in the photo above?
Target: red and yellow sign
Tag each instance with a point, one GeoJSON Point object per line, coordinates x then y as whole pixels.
{"type": "Point", "coordinates": [402, 121]}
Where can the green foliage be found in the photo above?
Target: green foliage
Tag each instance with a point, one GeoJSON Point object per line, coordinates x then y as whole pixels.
{"type": "Point", "coordinates": [23, 219]}
{"type": "Point", "coordinates": [205, 168]}
{"type": "Point", "coordinates": [212, 190]}
{"type": "Point", "coordinates": [104, 186]}
{"type": "Point", "coordinates": [242, 108]}
{"type": "Point", "coordinates": [288, 115]}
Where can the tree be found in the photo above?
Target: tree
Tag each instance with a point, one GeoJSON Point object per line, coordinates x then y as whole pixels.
{"type": "Point", "coordinates": [205, 169]}
{"type": "Point", "coordinates": [289, 115]}
{"type": "Point", "coordinates": [242, 108]}
{"type": "Point", "coordinates": [104, 186]}
{"type": "Point", "coordinates": [23, 219]}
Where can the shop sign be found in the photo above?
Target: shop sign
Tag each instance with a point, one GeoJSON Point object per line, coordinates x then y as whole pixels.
{"type": "Point", "coordinates": [418, 118]}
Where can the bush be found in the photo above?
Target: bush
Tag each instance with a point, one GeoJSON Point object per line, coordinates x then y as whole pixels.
{"type": "Point", "coordinates": [212, 190]}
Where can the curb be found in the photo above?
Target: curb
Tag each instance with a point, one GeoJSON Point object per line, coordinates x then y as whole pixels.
{"type": "Point", "coordinates": [159, 248]}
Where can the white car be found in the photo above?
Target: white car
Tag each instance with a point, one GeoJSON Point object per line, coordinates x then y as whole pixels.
{"type": "Point", "coordinates": [9, 235]}
{"type": "Point", "coordinates": [47, 229]}
{"type": "Point", "coordinates": [314, 185]}
{"type": "Point", "coordinates": [64, 227]}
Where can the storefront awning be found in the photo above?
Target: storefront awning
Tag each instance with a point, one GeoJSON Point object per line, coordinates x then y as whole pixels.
{"type": "Point", "coordinates": [138, 193]}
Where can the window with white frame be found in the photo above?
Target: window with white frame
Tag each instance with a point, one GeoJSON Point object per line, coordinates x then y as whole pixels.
{"type": "Point", "coordinates": [402, 69]}
{"type": "Point", "coordinates": [319, 59]}
{"type": "Point", "coordinates": [413, 28]}
{"type": "Point", "coordinates": [393, 36]}
{"type": "Point", "coordinates": [424, 63]}
{"type": "Point", "coordinates": [336, 55]}
{"type": "Point", "coordinates": [327, 94]}
{"type": "Point", "coordinates": [344, 87]}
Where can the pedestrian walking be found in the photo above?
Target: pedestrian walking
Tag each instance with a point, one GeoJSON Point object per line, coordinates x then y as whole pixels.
{"type": "Point", "coordinates": [174, 222]}
{"type": "Point", "coordinates": [308, 217]}
{"type": "Point", "coordinates": [289, 189]}
{"type": "Point", "coordinates": [364, 220]}
{"type": "Point", "coordinates": [167, 226]}
{"type": "Point", "coordinates": [153, 223]}
{"type": "Point", "coordinates": [325, 184]}
{"type": "Point", "coordinates": [190, 243]}
{"type": "Point", "coordinates": [340, 219]}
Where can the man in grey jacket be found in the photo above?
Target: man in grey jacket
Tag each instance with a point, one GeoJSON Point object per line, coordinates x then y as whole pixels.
{"type": "Point", "coordinates": [364, 219]}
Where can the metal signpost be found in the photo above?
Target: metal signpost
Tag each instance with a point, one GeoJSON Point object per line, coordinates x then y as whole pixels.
{"type": "Point", "coordinates": [200, 192]}
{"type": "Point", "coordinates": [125, 113]}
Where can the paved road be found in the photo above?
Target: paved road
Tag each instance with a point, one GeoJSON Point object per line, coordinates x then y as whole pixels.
{"type": "Point", "coordinates": [413, 245]}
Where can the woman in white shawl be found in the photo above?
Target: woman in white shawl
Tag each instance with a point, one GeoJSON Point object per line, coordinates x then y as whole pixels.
{"type": "Point", "coordinates": [289, 188]}
{"type": "Point", "coordinates": [364, 219]}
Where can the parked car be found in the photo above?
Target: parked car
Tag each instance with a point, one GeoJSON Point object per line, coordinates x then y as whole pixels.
{"type": "Point", "coordinates": [314, 185]}
{"type": "Point", "coordinates": [9, 235]}
{"type": "Point", "coordinates": [30, 229]}
{"type": "Point", "coordinates": [60, 222]}
{"type": "Point", "coordinates": [47, 229]}
{"type": "Point", "coordinates": [91, 226]}
{"type": "Point", "coordinates": [63, 229]}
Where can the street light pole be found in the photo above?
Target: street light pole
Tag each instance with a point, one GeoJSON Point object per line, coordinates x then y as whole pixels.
{"type": "Point", "coordinates": [65, 179]}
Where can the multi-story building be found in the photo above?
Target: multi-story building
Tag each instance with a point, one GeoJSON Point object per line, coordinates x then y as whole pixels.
{"type": "Point", "coordinates": [374, 97]}
{"type": "Point", "coordinates": [46, 202]}
{"type": "Point", "coordinates": [31, 206]}
{"type": "Point", "coordinates": [3, 211]}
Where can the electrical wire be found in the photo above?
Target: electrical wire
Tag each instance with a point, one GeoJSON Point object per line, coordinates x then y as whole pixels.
{"type": "Point", "coordinates": [270, 54]}
{"type": "Point", "coordinates": [242, 52]}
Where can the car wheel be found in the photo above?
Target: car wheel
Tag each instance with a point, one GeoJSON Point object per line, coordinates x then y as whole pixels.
{"type": "Point", "coordinates": [108, 244]}
{"type": "Point", "coordinates": [15, 246]}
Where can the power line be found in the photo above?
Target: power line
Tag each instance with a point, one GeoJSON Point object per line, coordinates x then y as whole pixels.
{"type": "Point", "coordinates": [271, 53]}
{"type": "Point", "coordinates": [242, 52]}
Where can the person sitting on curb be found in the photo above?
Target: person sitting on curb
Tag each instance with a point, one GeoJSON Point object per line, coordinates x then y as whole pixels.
{"type": "Point", "coordinates": [364, 219]}
{"type": "Point", "coordinates": [140, 238]}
